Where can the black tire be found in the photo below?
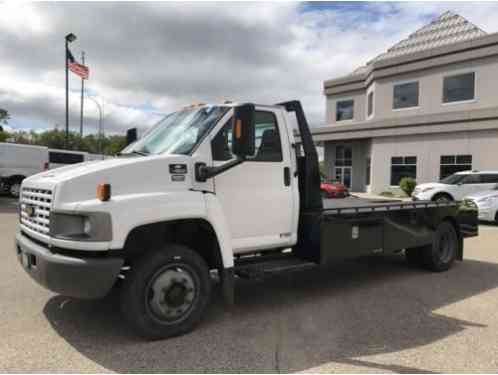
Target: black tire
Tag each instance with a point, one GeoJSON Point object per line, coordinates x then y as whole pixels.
{"type": "Point", "coordinates": [15, 188]}
{"type": "Point", "coordinates": [442, 198]}
{"type": "Point", "coordinates": [140, 303]}
{"type": "Point", "coordinates": [414, 256]}
{"type": "Point", "coordinates": [442, 253]}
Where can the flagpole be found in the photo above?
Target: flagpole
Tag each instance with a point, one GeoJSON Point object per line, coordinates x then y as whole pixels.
{"type": "Point", "coordinates": [82, 96]}
{"type": "Point", "coordinates": [67, 97]}
{"type": "Point", "coordinates": [69, 38]}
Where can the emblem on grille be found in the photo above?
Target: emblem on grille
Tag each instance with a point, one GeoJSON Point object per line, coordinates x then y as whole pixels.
{"type": "Point", "coordinates": [29, 210]}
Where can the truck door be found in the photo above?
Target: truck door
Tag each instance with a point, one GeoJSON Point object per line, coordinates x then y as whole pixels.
{"type": "Point", "coordinates": [257, 196]}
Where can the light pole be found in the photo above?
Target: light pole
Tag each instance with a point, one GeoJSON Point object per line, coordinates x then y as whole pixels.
{"type": "Point", "coordinates": [69, 38]}
{"type": "Point", "coordinates": [101, 117]}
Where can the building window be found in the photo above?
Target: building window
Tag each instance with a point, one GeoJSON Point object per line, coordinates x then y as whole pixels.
{"type": "Point", "coordinates": [458, 88]}
{"type": "Point", "coordinates": [405, 95]}
{"type": "Point", "coordinates": [454, 163]}
{"type": "Point", "coordinates": [368, 170]}
{"type": "Point", "coordinates": [403, 166]}
{"type": "Point", "coordinates": [370, 106]}
{"type": "Point", "coordinates": [344, 110]}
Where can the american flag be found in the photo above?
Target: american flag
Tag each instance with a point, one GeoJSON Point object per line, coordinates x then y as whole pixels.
{"type": "Point", "coordinates": [77, 68]}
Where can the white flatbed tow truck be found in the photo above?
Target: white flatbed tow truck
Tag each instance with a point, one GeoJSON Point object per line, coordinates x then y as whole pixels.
{"type": "Point", "coordinates": [211, 187]}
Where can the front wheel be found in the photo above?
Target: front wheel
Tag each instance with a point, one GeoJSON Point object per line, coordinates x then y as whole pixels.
{"type": "Point", "coordinates": [166, 293]}
{"type": "Point", "coordinates": [442, 198]}
{"type": "Point", "coordinates": [442, 253]}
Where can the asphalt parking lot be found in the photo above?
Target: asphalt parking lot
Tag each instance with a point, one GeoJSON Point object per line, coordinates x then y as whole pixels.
{"type": "Point", "coordinates": [370, 315]}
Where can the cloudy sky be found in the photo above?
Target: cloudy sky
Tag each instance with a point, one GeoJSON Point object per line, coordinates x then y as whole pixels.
{"type": "Point", "coordinates": [146, 59]}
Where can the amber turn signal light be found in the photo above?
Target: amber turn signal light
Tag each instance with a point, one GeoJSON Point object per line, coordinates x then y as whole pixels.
{"type": "Point", "coordinates": [104, 192]}
{"type": "Point", "coordinates": [238, 129]}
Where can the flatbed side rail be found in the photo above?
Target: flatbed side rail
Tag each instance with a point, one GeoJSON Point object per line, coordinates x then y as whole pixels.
{"type": "Point", "coordinates": [387, 207]}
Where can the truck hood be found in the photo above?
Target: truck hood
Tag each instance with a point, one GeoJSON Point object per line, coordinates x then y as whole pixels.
{"type": "Point", "coordinates": [126, 175]}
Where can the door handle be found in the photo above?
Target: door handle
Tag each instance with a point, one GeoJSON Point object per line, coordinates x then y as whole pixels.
{"type": "Point", "coordinates": [287, 176]}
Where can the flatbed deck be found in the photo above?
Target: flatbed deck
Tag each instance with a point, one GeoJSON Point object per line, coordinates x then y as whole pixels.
{"type": "Point", "coordinates": [357, 205]}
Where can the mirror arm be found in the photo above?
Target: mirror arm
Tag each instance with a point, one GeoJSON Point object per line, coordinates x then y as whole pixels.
{"type": "Point", "coordinates": [203, 172]}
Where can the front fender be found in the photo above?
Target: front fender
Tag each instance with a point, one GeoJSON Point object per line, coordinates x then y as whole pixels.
{"type": "Point", "coordinates": [133, 210]}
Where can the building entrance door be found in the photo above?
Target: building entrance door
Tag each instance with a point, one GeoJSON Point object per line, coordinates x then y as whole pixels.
{"type": "Point", "coordinates": [343, 165]}
{"type": "Point", "coordinates": [344, 175]}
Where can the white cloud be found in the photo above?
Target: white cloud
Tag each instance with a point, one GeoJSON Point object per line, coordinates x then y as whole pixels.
{"type": "Point", "coordinates": [162, 56]}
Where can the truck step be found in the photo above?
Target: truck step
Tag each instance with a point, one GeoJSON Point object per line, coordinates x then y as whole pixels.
{"type": "Point", "coordinates": [260, 268]}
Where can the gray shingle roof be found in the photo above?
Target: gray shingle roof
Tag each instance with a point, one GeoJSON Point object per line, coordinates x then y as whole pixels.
{"type": "Point", "coordinates": [448, 28]}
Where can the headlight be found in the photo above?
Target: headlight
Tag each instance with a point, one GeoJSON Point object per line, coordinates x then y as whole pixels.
{"type": "Point", "coordinates": [487, 199]}
{"type": "Point", "coordinates": [88, 226]}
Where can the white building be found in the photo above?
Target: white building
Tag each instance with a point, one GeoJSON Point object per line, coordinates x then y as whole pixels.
{"type": "Point", "coordinates": [425, 108]}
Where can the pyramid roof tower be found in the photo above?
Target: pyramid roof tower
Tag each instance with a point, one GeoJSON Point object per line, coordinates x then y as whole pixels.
{"type": "Point", "coordinates": [448, 28]}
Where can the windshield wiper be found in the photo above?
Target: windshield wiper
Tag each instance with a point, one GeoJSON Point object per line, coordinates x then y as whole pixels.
{"type": "Point", "coordinates": [133, 152]}
{"type": "Point", "coordinates": [139, 153]}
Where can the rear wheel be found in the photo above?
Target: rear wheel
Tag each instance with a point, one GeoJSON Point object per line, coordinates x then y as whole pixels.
{"type": "Point", "coordinates": [166, 293]}
{"type": "Point", "coordinates": [443, 251]}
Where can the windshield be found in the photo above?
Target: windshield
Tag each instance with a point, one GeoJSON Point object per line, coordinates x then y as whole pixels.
{"type": "Point", "coordinates": [453, 179]}
{"type": "Point", "coordinates": [178, 133]}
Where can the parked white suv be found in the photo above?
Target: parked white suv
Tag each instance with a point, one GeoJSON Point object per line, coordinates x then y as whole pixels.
{"type": "Point", "coordinates": [457, 186]}
{"type": "Point", "coordinates": [487, 203]}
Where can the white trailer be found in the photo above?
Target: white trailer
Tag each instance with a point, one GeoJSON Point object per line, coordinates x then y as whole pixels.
{"type": "Point", "coordinates": [19, 161]}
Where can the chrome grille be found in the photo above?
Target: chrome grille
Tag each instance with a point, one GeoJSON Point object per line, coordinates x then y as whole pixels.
{"type": "Point", "coordinates": [39, 201]}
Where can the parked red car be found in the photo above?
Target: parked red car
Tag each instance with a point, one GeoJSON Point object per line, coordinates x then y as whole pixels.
{"type": "Point", "coordinates": [333, 189]}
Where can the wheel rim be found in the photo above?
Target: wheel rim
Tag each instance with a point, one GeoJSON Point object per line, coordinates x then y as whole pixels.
{"type": "Point", "coordinates": [445, 247]}
{"type": "Point", "coordinates": [14, 190]}
{"type": "Point", "coordinates": [171, 293]}
{"type": "Point", "coordinates": [442, 200]}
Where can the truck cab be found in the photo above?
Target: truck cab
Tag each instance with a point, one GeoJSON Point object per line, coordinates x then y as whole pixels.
{"type": "Point", "coordinates": [220, 188]}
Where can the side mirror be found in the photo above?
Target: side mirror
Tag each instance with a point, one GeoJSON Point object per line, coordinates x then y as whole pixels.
{"type": "Point", "coordinates": [243, 134]}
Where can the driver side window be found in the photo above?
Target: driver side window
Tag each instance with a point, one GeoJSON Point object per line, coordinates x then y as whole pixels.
{"type": "Point", "coordinates": [268, 145]}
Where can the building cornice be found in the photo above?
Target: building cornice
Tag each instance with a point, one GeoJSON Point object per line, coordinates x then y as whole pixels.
{"type": "Point", "coordinates": [448, 122]}
{"type": "Point", "coordinates": [459, 52]}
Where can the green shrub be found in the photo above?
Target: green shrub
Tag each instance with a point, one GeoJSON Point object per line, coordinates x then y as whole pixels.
{"type": "Point", "coordinates": [407, 184]}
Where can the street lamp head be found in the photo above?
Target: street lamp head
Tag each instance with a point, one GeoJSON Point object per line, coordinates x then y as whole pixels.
{"type": "Point", "coordinates": [70, 37]}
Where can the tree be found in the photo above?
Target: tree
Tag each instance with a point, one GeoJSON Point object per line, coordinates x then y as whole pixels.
{"type": "Point", "coordinates": [407, 184]}
{"type": "Point", "coordinates": [110, 145]}
{"type": "Point", "coordinates": [4, 116]}
{"type": "Point", "coordinates": [3, 135]}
